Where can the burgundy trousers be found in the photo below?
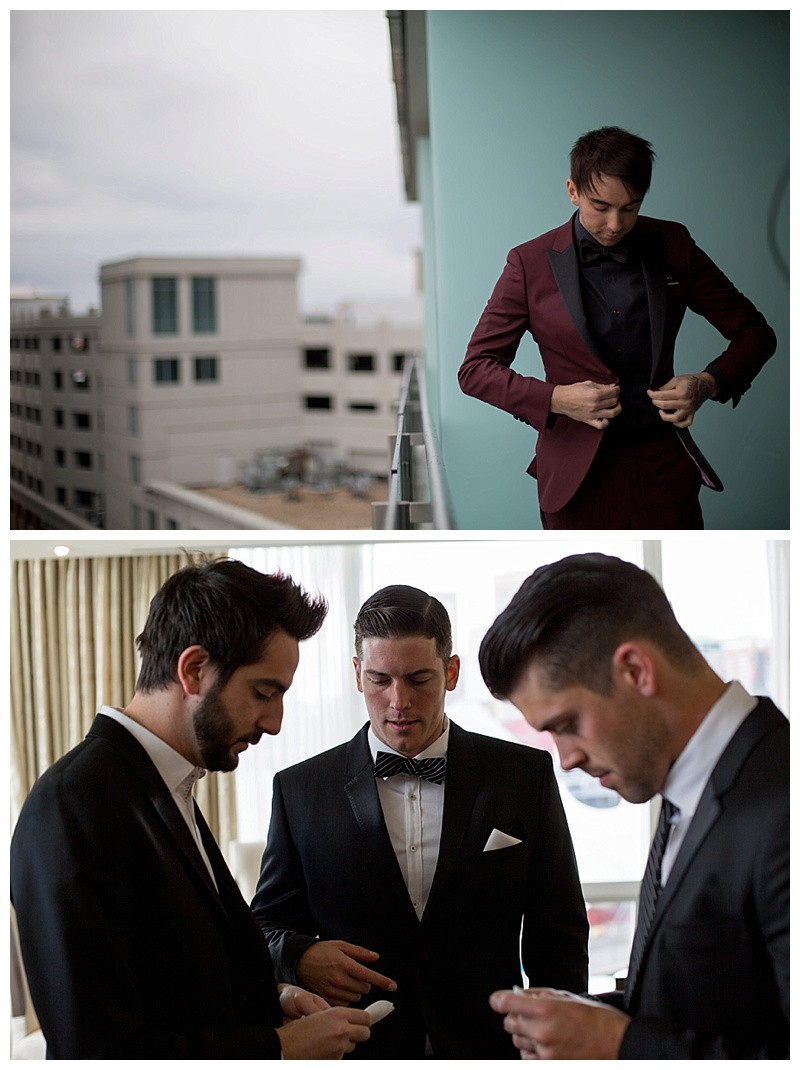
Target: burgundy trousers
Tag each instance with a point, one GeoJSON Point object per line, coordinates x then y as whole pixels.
{"type": "Point", "coordinates": [649, 485]}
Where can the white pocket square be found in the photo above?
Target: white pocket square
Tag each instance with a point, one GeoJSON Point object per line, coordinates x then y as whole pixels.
{"type": "Point", "coordinates": [498, 839]}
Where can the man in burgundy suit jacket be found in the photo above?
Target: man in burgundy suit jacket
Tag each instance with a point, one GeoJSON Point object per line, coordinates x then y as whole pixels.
{"type": "Point", "coordinates": [604, 296]}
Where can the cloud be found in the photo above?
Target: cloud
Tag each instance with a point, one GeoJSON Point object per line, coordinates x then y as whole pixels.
{"type": "Point", "coordinates": [193, 131]}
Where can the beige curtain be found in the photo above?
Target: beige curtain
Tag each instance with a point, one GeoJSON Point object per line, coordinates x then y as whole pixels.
{"type": "Point", "coordinates": [73, 648]}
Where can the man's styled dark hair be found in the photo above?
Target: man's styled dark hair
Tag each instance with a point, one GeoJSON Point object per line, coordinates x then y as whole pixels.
{"type": "Point", "coordinates": [568, 618]}
{"type": "Point", "coordinates": [614, 152]}
{"type": "Point", "coordinates": [227, 608]}
{"type": "Point", "coordinates": [397, 612]}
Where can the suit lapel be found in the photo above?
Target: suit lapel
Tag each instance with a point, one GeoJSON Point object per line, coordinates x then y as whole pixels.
{"type": "Point", "coordinates": [764, 718]}
{"type": "Point", "coordinates": [460, 787]}
{"type": "Point", "coordinates": [362, 794]}
{"type": "Point", "coordinates": [655, 279]}
{"type": "Point", "coordinates": [163, 803]}
{"type": "Point", "coordinates": [564, 264]}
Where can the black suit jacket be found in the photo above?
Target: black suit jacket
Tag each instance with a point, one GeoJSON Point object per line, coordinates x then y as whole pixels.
{"type": "Point", "coordinates": [539, 291]}
{"type": "Point", "coordinates": [714, 982]}
{"type": "Point", "coordinates": [130, 950]}
{"type": "Point", "coordinates": [330, 871]}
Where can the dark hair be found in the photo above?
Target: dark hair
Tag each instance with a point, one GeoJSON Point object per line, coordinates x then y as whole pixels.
{"type": "Point", "coordinates": [227, 608]}
{"type": "Point", "coordinates": [614, 152]}
{"type": "Point", "coordinates": [399, 611]}
{"type": "Point", "coordinates": [569, 617]}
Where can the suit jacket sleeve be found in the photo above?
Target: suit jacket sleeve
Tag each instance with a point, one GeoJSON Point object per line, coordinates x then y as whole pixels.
{"type": "Point", "coordinates": [752, 341]}
{"type": "Point", "coordinates": [280, 903]}
{"type": "Point", "coordinates": [73, 874]}
{"type": "Point", "coordinates": [486, 371]}
{"type": "Point", "coordinates": [555, 926]}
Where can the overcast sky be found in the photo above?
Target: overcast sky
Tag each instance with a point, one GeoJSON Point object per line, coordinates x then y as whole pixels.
{"type": "Point", "coordinates": [256, 133]}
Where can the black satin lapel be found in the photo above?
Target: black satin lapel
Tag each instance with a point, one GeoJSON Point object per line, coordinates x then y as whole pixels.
{"type": "Point", "coordinates": [655, 279]}
{"type": "Point", "coordinates": [567, 275]}
{"type": "Point", "coordinates": [362, 794]}
{"type": "Point", "coordinates": [460, 787]}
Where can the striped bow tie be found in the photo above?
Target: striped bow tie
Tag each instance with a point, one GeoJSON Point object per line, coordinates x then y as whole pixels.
{"type": "Point", "coordinates": [432, 769]}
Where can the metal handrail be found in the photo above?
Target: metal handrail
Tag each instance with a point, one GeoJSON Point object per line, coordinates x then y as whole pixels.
{"type": "Point", "coordinates": [417, 495]}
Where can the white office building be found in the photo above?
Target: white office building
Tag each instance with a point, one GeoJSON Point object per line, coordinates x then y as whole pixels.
{"type": "Point", "coordinates": [197, 369]}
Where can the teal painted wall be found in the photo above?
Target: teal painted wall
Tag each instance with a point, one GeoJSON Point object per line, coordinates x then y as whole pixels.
{"type": "Point", "coordinates": [509, 93]}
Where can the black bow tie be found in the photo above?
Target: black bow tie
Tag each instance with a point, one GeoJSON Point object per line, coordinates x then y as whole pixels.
{"type": "Point", "coordinates": [590, 253]}
{"type": "Point", "coordinates": [428, 768]}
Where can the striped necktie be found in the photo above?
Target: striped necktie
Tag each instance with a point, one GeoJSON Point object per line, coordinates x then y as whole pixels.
{"type": "Point", "coordinates": [432, 769]}
{"type": "Point", "coordinates": [648, 895]}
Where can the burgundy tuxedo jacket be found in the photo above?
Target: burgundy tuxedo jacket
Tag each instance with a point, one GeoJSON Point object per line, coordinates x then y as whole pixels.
{"type": "Point", "coordinates": [539, 291]}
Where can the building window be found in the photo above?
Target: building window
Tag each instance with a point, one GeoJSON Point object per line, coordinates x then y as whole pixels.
{"type": "Point", "coordinates": [134, 470]}
{"type": "Point", "coordinates": [80, 380]}
{"type": "Point", "coordinates": [58, 380]}
{"type": "Point", "coordinates": [84, 499]}
{"type": "Point", "coordinates": [165, 305]}
{"type": "Point", "coordinates": [398, 360]}
{"type": "Point", "coordinates": [171, 525]}
{"type": "Point", "coordinates": [55, 342]}
{"type": "Point", "coordinates": [82, 421]}
{"type": "Point", "coordinates": [61, 458]}
{"type": "Point", "coordinates": [204, 304]}
{"type": "Point", "coordinates": [318, 401]}
{"type": "Point", "coordinates": [152, 519]}
{"type": "Point", "coordinates": [83, 459]}
{"type": "Point", "coordinates": [206, 370]}
{"type": "Point", "coordinates": [133, 420]}
{"type": "Point", "coordinates": [136, 516]}
{"type": "Point", "coordinates": [61, 495]}
{"type": "Point", "coordinates": [132, 371]}
{"type": "Point", "coordinates": [130, 307]}
{"type": "Point", "coordinates": [58, 417]}
{"type": "Point", "coordinates": [362, 406]}
{"type": "Point", "coordinates": [361, 362]}
{"type": "Point", "coordinates": [166, 370]}
{"type": "Point", "coordinates": [317, 358]}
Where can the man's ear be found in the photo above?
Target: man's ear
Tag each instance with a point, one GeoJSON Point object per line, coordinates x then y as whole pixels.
{"type": "Point", "coordinates": [194, 665]}
{"type": "Point", "coordinates": [572, 191]}
{"type": "Point", "coordinates": [453, 669]}
{"type": "Point", "coordinates": [357, 667]}
{"type": "Point", "coordinates": [633, 665]}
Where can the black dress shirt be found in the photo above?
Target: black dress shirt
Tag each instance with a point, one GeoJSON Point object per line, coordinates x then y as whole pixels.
{"type": "Point", "coordinates": [617, 314]}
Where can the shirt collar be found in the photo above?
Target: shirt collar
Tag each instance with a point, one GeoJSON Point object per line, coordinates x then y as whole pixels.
{"type": "Point", "coordinates": [689, 775]}
{"type": "Point", "coordinates": [437, 749]}
{"type": "Point", "coordinates": [177, 773]}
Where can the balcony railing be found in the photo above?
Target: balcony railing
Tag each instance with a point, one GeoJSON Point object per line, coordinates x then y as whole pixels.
{"type": "Point", "coordinates": [417, 496]}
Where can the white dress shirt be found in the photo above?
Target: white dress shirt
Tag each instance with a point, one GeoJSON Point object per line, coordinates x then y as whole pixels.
{"type": "Point", "coordinates": [178, 774]}
{"type": "Point", "coordinates": [412, 810]}
{"type": "Point", "coordinates": [689, 775]}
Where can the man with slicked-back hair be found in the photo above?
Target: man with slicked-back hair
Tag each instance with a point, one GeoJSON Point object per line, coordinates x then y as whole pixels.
{"type": "Point", "coordinates": [590, 650]}
{"type": "Point", "coordinates": [420, 863]}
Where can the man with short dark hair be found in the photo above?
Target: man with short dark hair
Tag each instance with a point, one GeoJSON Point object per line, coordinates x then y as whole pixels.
{"type": "Point", "coordinates": [590, 650]}
{"type": "Point", "coordinates": [136, 941]}
{"type": "Point", "coordinates": [604, 296]}
{"type": "Point", "coordinates": [418, 859]}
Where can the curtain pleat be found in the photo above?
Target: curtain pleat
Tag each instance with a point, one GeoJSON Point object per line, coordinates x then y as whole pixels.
{"type": "Point", "coordinates": [73, 648]}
